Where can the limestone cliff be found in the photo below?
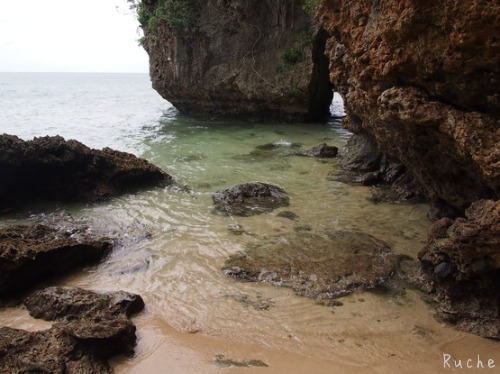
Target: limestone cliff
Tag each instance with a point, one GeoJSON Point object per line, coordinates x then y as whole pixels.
{"type": "Point", "coordinates": [237, 58]}
{"type": "Point", "coordinates": [420, 81]}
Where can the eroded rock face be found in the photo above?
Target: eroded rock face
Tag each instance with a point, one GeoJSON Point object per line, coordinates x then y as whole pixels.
{"type": "Point", "coordinates": [420, 80]}
{"type": "Point", "coordinates": [257, 60]}
{"type": "Point", "coordinates": [249, 199]}
{"type": "Point", "coordinates": [317, 266]}
{"type": "Point", "coordinates": [50, 168]}
{"type": "Point", "coordinates": [48, 351]}
{"type": "Point", "coordinates": [55, 303]}
{"type": "Point", "coordinates": [89, 329]}
{"type": "Point", "coordinates": [30, 254]}
{"type": "Point", "coordinates": [462, 264]}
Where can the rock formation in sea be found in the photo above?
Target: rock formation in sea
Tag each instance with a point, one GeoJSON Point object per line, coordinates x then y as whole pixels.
{"type": "Point", "coordinates": [53, 169]}
{"type": "Point", "coordinates": [256, 60]}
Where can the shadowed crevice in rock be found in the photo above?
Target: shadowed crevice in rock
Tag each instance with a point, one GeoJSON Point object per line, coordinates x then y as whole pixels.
{"type": "Point", "coordinates": [320, 88]}
{"type": "Point", "coordinates": [317, 266]}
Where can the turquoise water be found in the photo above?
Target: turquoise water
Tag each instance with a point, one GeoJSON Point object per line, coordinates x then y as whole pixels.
{"type": "Point", "coordinates": [170, 246]}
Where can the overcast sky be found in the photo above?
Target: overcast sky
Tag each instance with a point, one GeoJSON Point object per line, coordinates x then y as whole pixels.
{"type": "Point", "coordinates": [69, 36]}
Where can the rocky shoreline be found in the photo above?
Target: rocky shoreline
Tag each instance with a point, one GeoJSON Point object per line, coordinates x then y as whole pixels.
{"type": "Point", "coordinates": [88, 327]}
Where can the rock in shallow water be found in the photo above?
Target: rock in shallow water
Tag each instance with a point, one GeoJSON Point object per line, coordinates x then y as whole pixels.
{"type": "Point", "coordinates": [30, 254]}
{"type": "Point", "coordinates": [89, 328]}
{"type": "Point", "coordinates": [51, 168]}
{"type": "Point", "coordinates": [318, 266]}
{"type": "Point", "coordinates": [249, 199]}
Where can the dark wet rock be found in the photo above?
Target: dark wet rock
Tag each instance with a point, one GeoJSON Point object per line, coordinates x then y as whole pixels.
{"type": "Point", "coordinates": [443, 269]}
{"type": "Point", "coordinates": [462, 263]}
{"type": "Point", "coordinates": [322, 151]}
{"type": "Point", "coordinates": [393, 181]}
{"type": "Point", "coordinates": [46, 352]}
{"type": "Point", "coordinates": [89, 328]}
{"type": "Point", "coordinates": [288, 215]}
{"type": "Point", "coordinates": [30, 254]}
{"type": "Point", "coordinates": [317, 266]}
{"type": "Point", "coordinates": [249, 199]}
{"type": "Point", "coordinates": [54, 303]}
{"type": "Point", "coordinates": [98, 321]}
{"type": "Point", "coordinates": [53, 169]}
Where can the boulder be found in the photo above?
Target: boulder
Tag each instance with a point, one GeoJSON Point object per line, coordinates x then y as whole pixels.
{"type": "Point", "coordinates": [31, 254]}
{"type": "Point", "coordinates": [249, 199]}
{"type": "Point", "coordinates": [53, 169]}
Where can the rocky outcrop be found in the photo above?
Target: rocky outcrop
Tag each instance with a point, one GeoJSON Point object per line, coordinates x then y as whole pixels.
{"type": "Point", "coordinates": [50, 168]}
{"type": "Point", "coordinates": [249, 199]}
{"type": "Point", "coordinates": [257, 60]}
{"type": "Point", "coordinates": [31, 254]}
{"type": "Point", "coordinates": [89, 329]}
{"type": "Point", "coordinates": [420, 82]}
{"type": "Point", "coordinates": [318, 266]}
{"type": "Point", "coordinates": [462, 266]}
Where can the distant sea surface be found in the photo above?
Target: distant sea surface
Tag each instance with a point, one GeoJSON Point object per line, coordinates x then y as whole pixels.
{"type": "Point", "coordinates": [98, 109]}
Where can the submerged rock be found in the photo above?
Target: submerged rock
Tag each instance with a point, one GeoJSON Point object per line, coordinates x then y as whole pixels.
{"type": "Point", "coordinates": [53, 169]}
{"type": "Point", "coordinates": [317, 266]}
{"type": "Point", "coordinates": [462, 265]}
{"type": "Point", "coordinates": [322, 151]}
{"type": "Point", "coordinates": [89, 328]}
{"type": "Point", "coordinates": [30, 254]}
{"type": "Point", "coordinates": [250, 199]}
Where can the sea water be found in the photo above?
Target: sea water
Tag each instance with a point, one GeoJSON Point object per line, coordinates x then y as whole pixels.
{"type": "Point", "coordinates": [170, 246]}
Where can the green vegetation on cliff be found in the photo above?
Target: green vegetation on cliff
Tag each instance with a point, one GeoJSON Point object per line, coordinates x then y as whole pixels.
{"type": "Point", "coordinates": [310, 5]}
{"type": "Point", "coordinates": [178, 14]}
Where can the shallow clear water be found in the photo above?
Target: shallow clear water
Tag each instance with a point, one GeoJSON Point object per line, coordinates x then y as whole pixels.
{"type": "Point", "coordinates": [171, 247]}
